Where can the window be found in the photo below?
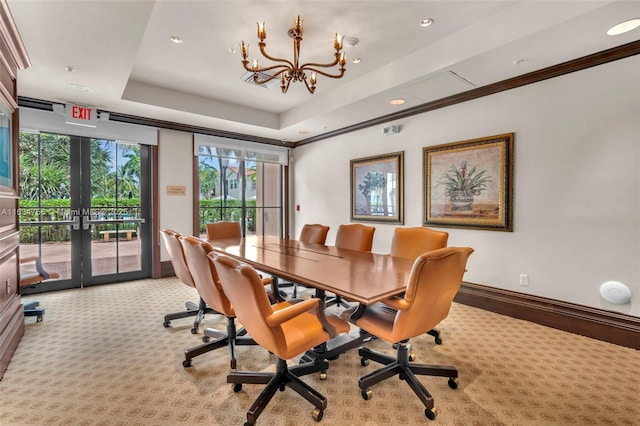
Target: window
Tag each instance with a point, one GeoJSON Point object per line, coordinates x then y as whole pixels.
{"type": "Point", "coordinates": [239, 184]}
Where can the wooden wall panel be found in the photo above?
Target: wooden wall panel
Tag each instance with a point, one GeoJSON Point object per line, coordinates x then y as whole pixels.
{"type": "Point", "coordinates": [12, 57]}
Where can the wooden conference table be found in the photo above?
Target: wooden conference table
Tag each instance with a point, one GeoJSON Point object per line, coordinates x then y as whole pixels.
{"type": "Point", "coordinates": [356, 276]}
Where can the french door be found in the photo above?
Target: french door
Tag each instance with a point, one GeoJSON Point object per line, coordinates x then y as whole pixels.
{"type": "Point", "coordinates": [84, 206]}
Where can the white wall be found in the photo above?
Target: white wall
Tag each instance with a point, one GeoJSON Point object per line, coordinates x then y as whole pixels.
{"type": "Point", "coordinates": [576, 184]}
{"type": "Point", "coordinates": [175, 168]}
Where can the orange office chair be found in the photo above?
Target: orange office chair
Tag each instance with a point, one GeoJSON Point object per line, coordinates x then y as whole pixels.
{"type": "Point", "coordinates": [354, 236]}
{"type": "Point", "coordinates": [208, 285]}
{"type": "Point", "coordinates": [223, 230]}
{"type": "Point", "coordinates": [434, 281]}
{"type": "Point", "coordinates": [286, 333]}
{"type": "Point", "coordinates": [174, 248]}
{"type": "Point", "coordinates": [409, 243]}
{"type": "Point", "coordinates": [30, 276]}
{"type": "Point", "coordinates": [312, 234]}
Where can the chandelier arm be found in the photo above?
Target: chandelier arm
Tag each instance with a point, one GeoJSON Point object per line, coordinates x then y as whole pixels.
{"type": "Point", "coordinates": [311, 89]}
{"type": "Point", "coordinates": [271, 58]}
{"type": "Point", "coordinates": [307, 68]}
{"type": "Point", "coordinates": [284, 88]}
{"type": "Point", "coordinates": [284, 68]}
{"type": "Point", "coordinates": [257, 80]}
{"type": "Point", "coordinates": [313, 64]}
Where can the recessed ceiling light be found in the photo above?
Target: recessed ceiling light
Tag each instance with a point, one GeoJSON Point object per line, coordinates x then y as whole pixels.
{"type": "Point", "coordinates": [356, 60]}
{"type": "Point", "coordinates": [176, 39]}
{"type": "Point", "coordinates": [231, 50]}
{"type": "Point", "coordinates": [426, 22]}
{"type": "Point", "coordinates": [396, 101]}
{"type": "Point", "coordinates": [68, 69]}
{"type": "Point", "coordinates": [624, 27]}
{"type": "Point", "coordinates": [78, 87]}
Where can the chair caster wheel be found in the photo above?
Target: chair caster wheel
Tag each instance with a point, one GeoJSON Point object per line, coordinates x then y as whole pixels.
{"type": "Point", "coordinates": [281, 388]}
{"type": "Point", "coordinates": [317, 414]}
{"type": "Point", "coordinates": [186, 363]}
{"type": "Point", "coordinates": [237, 388]}
{"type": "Point", "coordinates": [166, 324]}
{"type": "Point", "coordinates": [323, 375]}
{"type": "Point", "coordinates": [205, 339]}
{"type": "Point", "coordinates": [248, 424]}
{"type": "Point", "coordinates": [438, 341]}
{"type": "Point", "coordinates": [364, 362]}
{"type": "Point", "coordinates": [194, 330]}
{"type": "Point", "coordinates": [453, 383]}
{"type": "Point", "coordinates": [366, 394]}
{"type": "Point", "coordinates": [431, 414]}
{"type": "Point", "coordinates": [39, 318]}
{"type": "Point", "coordinates": [412, 357]}
{"type": "Point", "coordinates": [395, 346]}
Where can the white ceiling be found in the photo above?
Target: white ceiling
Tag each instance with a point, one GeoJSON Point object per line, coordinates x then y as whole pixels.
{"type": "Point", "coordinates": [121, 51]}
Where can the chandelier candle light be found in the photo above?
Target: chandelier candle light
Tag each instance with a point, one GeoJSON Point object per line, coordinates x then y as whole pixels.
{"type": "Point", "coordinates": [292, 71]}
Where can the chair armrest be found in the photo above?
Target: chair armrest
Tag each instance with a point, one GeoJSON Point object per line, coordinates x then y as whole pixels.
{"type": "Point", "coordinates": [45, 275]}
{"type": "Point", "coordinates": [283, 315]}
{"type": "Point", "coordinates": [267, 281]}
{"type": "Point", "coordinates": [397, 303]}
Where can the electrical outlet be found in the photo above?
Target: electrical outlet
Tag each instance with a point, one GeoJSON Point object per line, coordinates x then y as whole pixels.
{"type": "Point", "coordinates": [524, 279]}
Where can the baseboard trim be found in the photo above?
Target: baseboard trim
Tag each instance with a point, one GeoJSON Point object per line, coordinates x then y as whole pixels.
{"type": "Point", "coordinates": [612, 327]}
{"type": "Point", "coordinates": [596, 323]}
{"type": "Point", "coordinates": [166, 269]}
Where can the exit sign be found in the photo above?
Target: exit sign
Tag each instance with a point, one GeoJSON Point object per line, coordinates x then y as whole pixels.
{"type": "Point", "coordinates": [81, 115]}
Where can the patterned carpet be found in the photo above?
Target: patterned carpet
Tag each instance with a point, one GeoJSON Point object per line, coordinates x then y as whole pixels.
{"type": "Point", "coordinates": [102, 357]}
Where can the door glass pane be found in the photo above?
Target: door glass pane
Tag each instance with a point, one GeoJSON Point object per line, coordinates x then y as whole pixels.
{"type": "Point", "coordinates": [44, 197]}
{"type": "Point", "coordinates": [115, 199]}
{"type": "Point", "coordinates": [220, 187]}
{"type": "Point", "coordinates": [268, 199]}
{"type": "Point", "coordinates": [239, 190]}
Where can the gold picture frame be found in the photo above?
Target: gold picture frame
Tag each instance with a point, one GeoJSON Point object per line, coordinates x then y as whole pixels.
{"type": "Point", "coordinates": [468, 184]}
{"type": "Point", "coordinates": [377, 188]}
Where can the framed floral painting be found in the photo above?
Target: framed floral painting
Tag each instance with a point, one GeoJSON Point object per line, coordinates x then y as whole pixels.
{"type": "Point", "coordinates": [377, 188]}
{"type": "Point", "coordinates": [468, 184]}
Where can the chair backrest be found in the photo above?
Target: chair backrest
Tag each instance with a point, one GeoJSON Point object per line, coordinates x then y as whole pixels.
{"type": "Point", "coordinates": [222, 230]}
{"type": "Point", "coordinates": [243, 286]}
{"type": "Point", "coordinates": [434, 281]}
{"type": "Point", "coordinates": [314, 233]}
{"type": "Point", "coordinates": [355, 237]}
{"type": "Point", "coordinates": [204, 274]}
{"type": "Point", "coordinates": [410, 243]}
{"type": "Point", "coordinates": [176, 254]}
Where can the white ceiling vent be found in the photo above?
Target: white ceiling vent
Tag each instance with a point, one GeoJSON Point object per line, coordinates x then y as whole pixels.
{"type": "Point", "coordinates": [248, 78]}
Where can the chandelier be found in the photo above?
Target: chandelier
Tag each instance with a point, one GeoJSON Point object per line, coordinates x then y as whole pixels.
{"type": "Point", "coordinates": [292, 71]}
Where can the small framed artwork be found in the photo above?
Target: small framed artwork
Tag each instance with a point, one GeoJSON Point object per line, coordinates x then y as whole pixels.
{"type": "Point", "coordinates": [377, 188]}
{"type": "Point", "coordinates": [468, 184]}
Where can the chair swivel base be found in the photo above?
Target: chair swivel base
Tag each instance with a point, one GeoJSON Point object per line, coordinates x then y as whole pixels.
{"type": "Point", "coordinates": [407, 371]}
{"type": "Point", "coordinates": [30, 309]}
{"type": "Point", "coordinates": [336, 300]}
{"type": "Point", "coordinates": [221, 340]}
{"type": "Point", "coordinates": [193, 310]}
{"type": "Point", "coordinates": [436, 335]}
{"type": "Point", "coordinates": [283, 377]}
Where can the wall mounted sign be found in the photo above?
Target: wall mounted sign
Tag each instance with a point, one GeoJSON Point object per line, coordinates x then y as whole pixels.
{"type": "Point", "coordinates": [81, 115]}
{"type": "Point", "coordinates": [176, 190]}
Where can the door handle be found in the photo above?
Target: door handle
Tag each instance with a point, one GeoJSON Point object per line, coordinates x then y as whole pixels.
{"type": "Point", "coordinates": [75, 223]}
